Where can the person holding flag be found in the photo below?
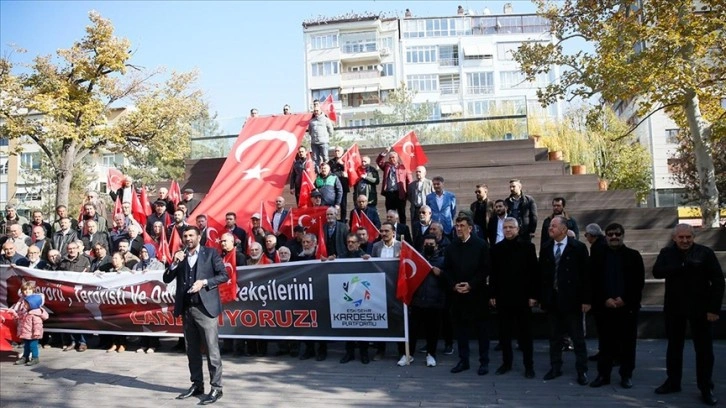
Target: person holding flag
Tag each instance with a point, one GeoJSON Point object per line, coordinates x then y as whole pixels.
{"type": "Point", "coordinates": [396, 179]}
{"type": "Point", "coordinates": [429, 299]}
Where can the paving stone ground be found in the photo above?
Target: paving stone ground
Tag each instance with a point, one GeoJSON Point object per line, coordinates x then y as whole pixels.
{"type": "Point", "coordinates": [99, 379]}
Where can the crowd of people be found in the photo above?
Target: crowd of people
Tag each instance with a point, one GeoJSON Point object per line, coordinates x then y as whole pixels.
{"type": "Point", "coordinates": [482, 256]}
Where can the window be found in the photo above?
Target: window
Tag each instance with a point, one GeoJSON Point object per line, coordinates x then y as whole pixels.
{"type": "Point", "coordinates": [360, 45]}
{"type": "Point", "coordinates": [322, 94]}
{"type": "Point", "coordinates": [387, 42]}
{"type": "Point", "coordinates": [319, 42]}
{"type": "Point", "coordinates": [672, 135]}
{"type": "Point", "coordinates": [421, 55]}
{"type": "Point", "coordinates": [505, 50]}
{"type": "Point", "coordinates": [30, 161]}
{"type": "Point", "coordinates": [449, 55]}
{"type": "Point", "coordinates": [103, 187]}
{"type": "Point", "coordinates": [387, 69]}
{"type": "Point", "coordinates": [435, 113]}
{"type": "Point", "coordinates": [449, 84]}
{"type": "Point", "coordinates": [480, 83]}
{"type": "Point", "coordinates": [325, 68]}
{"type": "Point", "coordinates": [480, 108]}
{"type": "Point", "coordinates": [437, 27]}
{"type": "Point", "coordinates": [512, 106]}
{"type": "Point", "coordinates": [517, 80]}
{"type": "Point", "coordinates": [422, 83]}
{"type": "Point", "coordinates": [4, 141]}
{"type": "Point", "coordinates": [3, 164]}
{"type": "Point", "coordinates": [109, 160]}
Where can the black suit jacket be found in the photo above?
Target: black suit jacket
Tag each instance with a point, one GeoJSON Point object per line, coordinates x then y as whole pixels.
{"type": "Point", "coordinates": [210, 267]}
{"type": "Point", "coordinates": [402, 229]}
{"type": "Point", "coordinates": [633, 277]}
{"type": "Point", "coordinates": [574, 288]}
{"type": "Point", "coordinates": [418, 235]}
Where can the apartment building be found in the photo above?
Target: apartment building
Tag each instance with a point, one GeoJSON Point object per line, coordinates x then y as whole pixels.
{"type": "Point", "coordinates": [461, 64]}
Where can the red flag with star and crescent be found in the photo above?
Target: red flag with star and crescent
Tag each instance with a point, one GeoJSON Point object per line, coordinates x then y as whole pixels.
{"type": "Point", "coordinates": [412, 270]}
{"type": "Point", "coordinates": [322, 250]}
{"type": "Point", "coordinates": [410, 151]}
{"type": "Point", "coordinates": [328, 108]}
{"type": "Point", "coordinates": [114, 179]}
{"type": "Point", "coordinates": [228, 290]}
{"type": "Point", "coordinates": [174, 193]}
{"type": "Point", "coordinates": [309, 218]}
{"type": "Point", "coordinates": [352, 163]}
{"type": "Point", "coordinates": [258, 166]}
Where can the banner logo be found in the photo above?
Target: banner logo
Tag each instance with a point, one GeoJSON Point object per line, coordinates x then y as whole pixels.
{"type": "Point", "coordinates": [358, 301]}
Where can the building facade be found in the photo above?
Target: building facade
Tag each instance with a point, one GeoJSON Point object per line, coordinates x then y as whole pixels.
{"type": "Point", "coordinates": [461, 64]}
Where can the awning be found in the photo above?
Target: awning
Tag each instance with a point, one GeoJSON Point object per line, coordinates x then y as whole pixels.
{"type": "Point", "coordinates": [477, 50]}
{"type": "Point", "coordinates": [359, 89]}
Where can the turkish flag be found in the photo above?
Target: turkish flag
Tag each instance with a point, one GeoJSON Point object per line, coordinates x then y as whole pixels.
{"type": "Point", "coordinates": [174, 193]}
{"type": "Point", "coordinates": [412, 270]}
{"type": "Point", "coordinates": [149, 240]}
{"type": "Point", "coordinates": [228, 290]}
{"type": "Point", "coordinates": [162, 250]}
{"type": "Point", "coordinates": [175, 242]}
{"type": "Point", "coordinates": [145, 201]}
{"type": "Point", "coordinates": [309, 218]}
{"type": "Point", "coordinates": [321, 251]}
{"type": "Point", "coordinates": [352, 162]}
{"type": "Point", "coordinates": [366, 222]}
{"type": "Point", "coordinates": [213, 237]}
{"type": "Point", "coordinates": [114, 179]}
{"type": "Point", "coordinates": [354, 221]}
{"type": "Point", "coordinates": [306, 189]}
{"type": "Point", "coordinates": [117, 209]}
{"type": "Point", "coordinates": [258, 166]}
{"type": "Point", "coordinates": [137, 209]}
{"type": "Point", "coordinates": [265, 221]}
{"type": "Point", "coordinates": [410, 151]}
{"type": "Point", "coordinates": [328, 108]}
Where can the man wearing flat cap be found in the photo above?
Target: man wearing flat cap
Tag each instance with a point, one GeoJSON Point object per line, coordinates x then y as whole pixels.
{"type": "Point", "coordinates": [188, 200]}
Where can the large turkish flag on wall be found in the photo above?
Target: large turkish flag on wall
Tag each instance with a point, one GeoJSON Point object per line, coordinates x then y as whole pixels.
{"type": "Point", "coordinates": [257, 168]}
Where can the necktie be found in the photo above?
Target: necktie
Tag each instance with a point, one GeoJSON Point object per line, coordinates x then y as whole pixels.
{"type": "Point", "coordinates": [558, 255]}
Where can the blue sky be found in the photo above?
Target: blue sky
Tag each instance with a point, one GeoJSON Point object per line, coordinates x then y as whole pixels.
{"type": "Point", "coordinates": [249, 54]}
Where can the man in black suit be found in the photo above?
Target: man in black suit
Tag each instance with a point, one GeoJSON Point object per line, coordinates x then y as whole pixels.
{"type": "Point", "coordinates": [618, 277]}
{"type": "Point", "coordinates": [566, 295]}
{"type": "Point", "coordinates": [694, 287]}
{"type": "Point", "coordinates": [420, 227]}
{"type": "Point", "coordinates": [495, 225]}
{"type": "Point", "coordinates": [198, 272]}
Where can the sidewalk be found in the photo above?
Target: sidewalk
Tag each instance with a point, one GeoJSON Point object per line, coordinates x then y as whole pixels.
{"type": "Point", "coordinates": [99, 379]}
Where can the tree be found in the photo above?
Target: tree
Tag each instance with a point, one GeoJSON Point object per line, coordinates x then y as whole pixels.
{"type": "Point", "coordinates": [400, 108]}
{"type": "Point", "coordinates": [72, 107]}
{"type": "Point", "coordinates": [663, 56]}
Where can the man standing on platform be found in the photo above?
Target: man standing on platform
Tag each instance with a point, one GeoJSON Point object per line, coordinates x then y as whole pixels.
{"type": "Point", "coordinates": [396, 179]}
{"type": "Point", "coordinates": [694, 287]}
{"type": "Point", "coordinates": [618, 277]}
{"type": "Point", "coordinates": [443, 205]}
{"type": "Point", "coordinates": [198, 272]}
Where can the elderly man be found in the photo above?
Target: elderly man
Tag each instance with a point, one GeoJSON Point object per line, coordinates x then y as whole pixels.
{"type": "Point", "coordinates": [388, 247]}
{"type": "Point", "coordinates": [11, 257]}
{"type": "Point", "coordinates": [515, 284]}
{"type": "Point", "coordinates": [618, 277]}
{"type": "Point", "coordinates": [277, 219]}
{"type": "Point", "coordinates": [694, 291]}
{"type": "Point", "coordinates": [369, 179]}
{"type": "Point", "coordinates": [396, 179]}
{"type": "Point", "coordinates": [159, 215]}
{"type": "Point", "coordinates": [334, 232]}
{"type": "Point", "coordinates": [89, 213]}
{"type": "Point", "coordinates": [401, 229]}
{"type": "Point", "coordinates": [22, 241]}
{"type": "Point", "coordinates": [362, 207]}
{"type": "Point", "coordinates": [566, 295]}
{"type": "Point", "coordinates": [94, 236]}
{"type": "Point", "coordinates": [329, 186]}
{"type": "Point", "coordinates": [421, 226]}
{"type": "Point", "coordinates": [419, 188]}
{"type": "Point", "coordinates": [11, 217]}
{"type": "Point", "coordinates": [188, 200]}
{"type": "Point", "coordinates": [353, 251]}
{"type": "Point", "coordinates": [42, 242]}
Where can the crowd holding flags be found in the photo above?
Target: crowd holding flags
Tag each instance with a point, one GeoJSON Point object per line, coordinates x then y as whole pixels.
{"type": "Point", "coordinates": [258, 163]}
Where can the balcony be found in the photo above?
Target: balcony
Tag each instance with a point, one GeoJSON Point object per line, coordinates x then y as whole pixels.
{"type": "Point", "coordinates": [355, 52]}
{"type": "Point", "coordinates": [448, 62]}
{"type": "Point", "coordinates": [480, 90]}
{"type": "Point", "coordinates": [356, 75]}
{"type": "Point", "coordinates": [449, 89]}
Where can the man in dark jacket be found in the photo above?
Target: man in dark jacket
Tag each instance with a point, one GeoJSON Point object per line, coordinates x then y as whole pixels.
{"type": "Point", "coordinates": [694, 287]}
{"type": "Point", "coordinates": [466, 268]}
{"type": "Point", "coordinates": [514, 285]}
{"type": "Point", "coordinates": [353, 251]}
{"type": "Point", "coordinates": [566, 295]}
{"type": "Point", "coordinates": [368, 181]}
{"type": "Point", "coordinates": [523, 208]}
{"type": "Point", "coordinates": [618, 277]}
{"type": "Point", "coordinates": [337, 167]}
{"type": "Point", "coordinates": [427, 305]}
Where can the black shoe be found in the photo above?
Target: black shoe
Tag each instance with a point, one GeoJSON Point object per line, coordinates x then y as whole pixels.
{"type": "Point", "coordinates": [626, 382]}
{"type": "Point", "coordinates": [708, 398]}
{"type": "Point", "coordinates": [594, 357]}
{"type": "Point", "coordinates": [503, 369]}
{"type": "Point", "coordinates": [365, 359]}
{"type": "Point", "coordinates": [194, 390]}
{"type": "Point", "coordinates": [668, 388]}
{"type": "Point", "coordinates": [483, 370]}
{"type": "Point", "coordinates": [322, 355]}
{"type": "Point", "coordinates": [582, 379]}
{"type": "Point", "coordinates": [449, 350]}
{"type": "Point", "coordinates": [552, 374]}
{"type": "Point", "coordinates": [308, 354]}
{"type": "Point", "coordinates": [347, 357]}
{"type": "Point", "coordinates": [529, 372]}
{"type": "Point", "coordinates": [460, 366]}
{"type": "Point", "coordinates": [213, 396]}
{"type": "Point", "coordinates": [599, 382]}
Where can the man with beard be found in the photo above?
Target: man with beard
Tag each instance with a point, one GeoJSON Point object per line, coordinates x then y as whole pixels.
{"type": "Point", "coordinates": [514, 285]}
{"type": "Point", "coordinates": [362, 207]}
{"type": "Point", "coordinates": [558, 208]}
{"type": "Point", "coordinates": [295, 243]}
{"type": "Point", "coordinates": [482, 209]}
{"type": "Point", "coordinates": [329, 186]}
{"type": "Point", "coordinates": [198, 272]}
{"type": "Point", "coordinates": [618, 277]}
{"type": "Point", "coordinates": [353, 251]}
{"type": "Point", "coordinates": [240, 235]}
{"type": "Point", "coordinates": [522, 207]}
{"type": "Point", "coordinates": [368, 181]}
{"type": "Point", "coordinates": [495, 227]}
{"type": "Point", "coordinates": [421, 226]}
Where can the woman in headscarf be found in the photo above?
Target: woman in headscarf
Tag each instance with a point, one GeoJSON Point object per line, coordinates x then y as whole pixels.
{"type": "Point", "coordinates": [148, 344]}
